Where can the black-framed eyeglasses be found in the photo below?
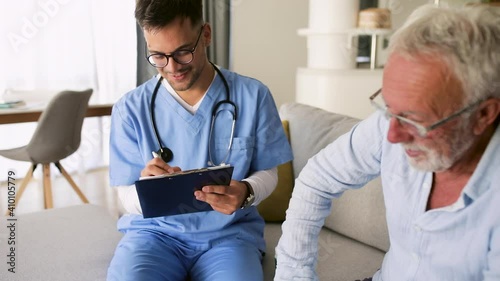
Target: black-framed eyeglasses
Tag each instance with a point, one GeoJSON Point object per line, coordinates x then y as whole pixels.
{"type": "Point", "coordinates": [182, 56]}
{"type": "Point", "coordinates": [412, 126]}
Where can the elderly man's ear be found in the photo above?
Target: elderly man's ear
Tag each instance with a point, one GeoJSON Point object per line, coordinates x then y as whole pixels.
{"type": "Point", "coordinates": [488, 112]}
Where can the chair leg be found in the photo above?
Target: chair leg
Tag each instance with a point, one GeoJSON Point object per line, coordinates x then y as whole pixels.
{"type": "Point", "coordinates": [71, 182]}
{"type": "Point", "coordinates": [22, 187]}
{"type": "Point", "coordinates": [47, 188]}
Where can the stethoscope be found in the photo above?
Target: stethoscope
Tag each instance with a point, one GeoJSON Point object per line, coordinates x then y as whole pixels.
{"type": "Point", "coordinates": [166, 153]}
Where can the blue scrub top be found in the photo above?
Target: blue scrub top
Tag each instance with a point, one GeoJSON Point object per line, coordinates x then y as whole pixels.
{"type": "Point", "coordinates": [259, 143]}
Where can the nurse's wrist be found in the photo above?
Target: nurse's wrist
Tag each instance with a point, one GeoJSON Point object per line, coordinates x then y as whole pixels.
{"type": "Point", "coordinates": [250, 196]}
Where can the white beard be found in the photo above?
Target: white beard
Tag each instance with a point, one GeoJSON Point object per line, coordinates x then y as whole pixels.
{"type": "Point", "coordinates": [461, 139]}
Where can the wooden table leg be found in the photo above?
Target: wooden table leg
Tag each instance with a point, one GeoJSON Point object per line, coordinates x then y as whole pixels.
{"type": "Point", "coordinates": [47, 188]}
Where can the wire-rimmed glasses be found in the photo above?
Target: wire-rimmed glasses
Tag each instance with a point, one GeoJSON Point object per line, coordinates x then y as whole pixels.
{"type": "Point", "coordinates": [413, 127]}
{"type": "Point", "coordinates": [182, 56]}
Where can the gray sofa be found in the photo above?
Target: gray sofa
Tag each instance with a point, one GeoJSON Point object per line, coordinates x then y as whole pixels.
{"type": "Point", "coordinates": [76, 243]}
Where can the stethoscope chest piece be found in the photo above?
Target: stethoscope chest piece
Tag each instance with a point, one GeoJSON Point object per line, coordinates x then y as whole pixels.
{"type": "Point", "coordinates": [166, 154]}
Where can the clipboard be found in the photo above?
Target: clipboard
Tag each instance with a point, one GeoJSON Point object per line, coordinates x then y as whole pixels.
{"type": "Point", "coordinates": [173, 194]}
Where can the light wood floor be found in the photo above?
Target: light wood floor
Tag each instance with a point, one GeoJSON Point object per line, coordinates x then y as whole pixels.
{"type": "Point", "coordinates": [94, 184]}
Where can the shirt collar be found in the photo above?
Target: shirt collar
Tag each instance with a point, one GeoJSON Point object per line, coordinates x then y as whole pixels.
{"type": "Point", "coordinates": [480, 181]}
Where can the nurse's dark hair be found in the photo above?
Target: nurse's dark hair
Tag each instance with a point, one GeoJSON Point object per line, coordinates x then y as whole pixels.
{"type": "Point", "coordinates": [155, 14]}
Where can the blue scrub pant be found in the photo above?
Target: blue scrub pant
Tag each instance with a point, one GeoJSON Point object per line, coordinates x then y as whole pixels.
{"type": "Point", "coordinates": [149, 255]}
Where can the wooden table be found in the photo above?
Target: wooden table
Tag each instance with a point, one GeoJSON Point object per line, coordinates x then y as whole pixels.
{"type": "Point", "coordinates": [10, 116]}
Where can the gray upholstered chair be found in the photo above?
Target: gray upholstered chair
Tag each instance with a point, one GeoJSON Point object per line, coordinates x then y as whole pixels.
{"type": "Point", "coordinates": [56, 136]}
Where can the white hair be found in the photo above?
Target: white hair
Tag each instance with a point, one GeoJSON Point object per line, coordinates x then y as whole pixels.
{"type": "Point", "coordinates": [467, 39]}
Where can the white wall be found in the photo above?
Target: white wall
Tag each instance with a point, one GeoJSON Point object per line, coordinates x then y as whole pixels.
{"type": "Point", "coordinates": [265, 44]}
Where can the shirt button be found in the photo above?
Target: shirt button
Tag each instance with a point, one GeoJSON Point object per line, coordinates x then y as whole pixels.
{"type": "Point", "coordinates": [414, 256]}
{"type": "Point", "coordinates": [417, 228]}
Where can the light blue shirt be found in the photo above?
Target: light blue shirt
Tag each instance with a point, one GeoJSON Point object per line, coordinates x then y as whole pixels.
{"type": "Point", "coordinates": [460, 242]}
{"type": "Point", "coordinates": [259, 143]}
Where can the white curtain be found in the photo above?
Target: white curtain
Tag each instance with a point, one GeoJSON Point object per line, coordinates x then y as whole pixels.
{"type": "Point", "coordinates": [51, 45]}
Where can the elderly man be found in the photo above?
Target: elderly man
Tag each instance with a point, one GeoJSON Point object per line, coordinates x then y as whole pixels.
{"type": "Point", "coordinates": [435, 142]}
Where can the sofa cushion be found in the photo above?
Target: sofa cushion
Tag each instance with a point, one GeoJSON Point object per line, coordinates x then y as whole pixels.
{"type": "Point", "coordinates": [273, 208]}
{"type": "Point", "coordinates": [339, 257]}
{"type": "Point", "coordinates": [311, 129]}
{"type": "Point", "coordinates": [359, 214]}
{"type": "Point", "coordinates": [71, 243]}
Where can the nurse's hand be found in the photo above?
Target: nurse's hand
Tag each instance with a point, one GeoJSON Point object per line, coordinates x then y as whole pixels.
{"type": "Point", "coordinates": [223, 198]}
{"type": "Point", "coordinates": [157, 167]}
